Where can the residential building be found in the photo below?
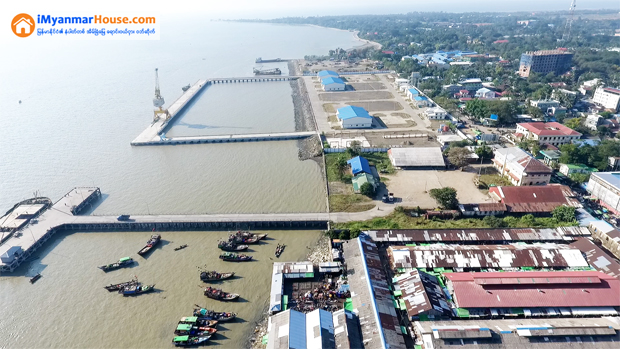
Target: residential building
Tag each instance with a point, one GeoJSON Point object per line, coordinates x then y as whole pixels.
{"type": "Point", "coordinates": [485, 93]}
{"type": "Point", "coordinates": [407, 158]}
{"type": "Point", "coordinates": [422, 296]}
{"type": "Point", "coordinates": [327, 74]}
{"type": "Point", "coordinates": [436, 113]}
{"type": "Point", "coordinates": [359, 165]}
{"type": "Point", "coordinates": [569, 169]}
{"type": "Point", "coordinates": [607, 97]}
{"type": "Point", "coordinates": [452, 89]}
{"type": "Point", "coordinates": [536, 200]}
{"type": "Point", "coordinates": [605, 186]}
{"type": "Point", "coordinates": [471, 85]}
{"type": "Point", "coordinates": [520, 167]}
{"type": "Point", "coordinates": [446, 139]}
{"type": "Point", "coordinates": [353, 117]}
{"type": "Point", "coordinates": [609, 237]}
{"type": "Point", "coordinates": [545, 104]}
{"type": "Point", "coordinates": [588, 87]}
{"type": "Point", "coordinates": [422, 101]}
{"type": "Point", "coordinates": [545, 62]}
{"type": "Point", "coordinates": [550, 157]}
{"type": "Point", "coordinates": [333, 84]}
{"type": "Point", "coordinates": [552, 133]}
{"type": "Point", "coordinates": [362, 178]}
{"type": "Point", "coordinates": [412, 93]}
{"type": "Point", "coordinates": [371, 297]}
{"type": "Point", "coordinates": [593, 121]}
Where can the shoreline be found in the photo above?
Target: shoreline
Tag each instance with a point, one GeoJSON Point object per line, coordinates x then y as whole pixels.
{"type": "Point", "coordinates": [365, 43]}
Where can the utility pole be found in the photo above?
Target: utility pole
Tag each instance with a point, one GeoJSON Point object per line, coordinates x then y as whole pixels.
{"type": "Point", "coordinates": [569, 20]}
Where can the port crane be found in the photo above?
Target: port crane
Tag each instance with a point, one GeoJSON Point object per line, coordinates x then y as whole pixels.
{"type": "Point", "coordinates": [158, 101]}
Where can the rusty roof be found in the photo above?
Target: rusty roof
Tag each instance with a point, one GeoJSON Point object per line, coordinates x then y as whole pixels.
{"type": "Point", "coordinates": [421, 293]}
{"type": "Point", "coordinates": [597, 258]}
{"type": "Point", "coordinates": [542, 198]}
{"type": "Point", "coordinates": [476, 235]}
{"type": "Point", "coordinates": [485, 256]}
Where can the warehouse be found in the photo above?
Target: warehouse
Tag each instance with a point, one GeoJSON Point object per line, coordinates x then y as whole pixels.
{"type": "Point", "coordinates": [409, 158]}
{"type": "Point", "coordinates": [535, 199]}
{"type": "Point", "coordinates": [422, 295]}
{"type": "Point", "coordinates": [605, 186]}
{"type": "Point", "coordinates": [333, 84]}
{"type": "Point", "coordinates": [327, 74]}
{"type": "Point", "coordinates": [353, 117]}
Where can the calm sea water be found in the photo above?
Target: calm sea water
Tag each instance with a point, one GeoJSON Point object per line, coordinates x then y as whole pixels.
{"type": "Point", "coordinates": [84, 101]}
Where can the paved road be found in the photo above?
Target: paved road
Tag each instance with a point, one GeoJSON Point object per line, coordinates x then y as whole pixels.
{"type": "Point", "coordinates": [421, 124]}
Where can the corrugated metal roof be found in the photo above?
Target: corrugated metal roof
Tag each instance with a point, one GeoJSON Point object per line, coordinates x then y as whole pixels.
{"type": "Point", "coordinates": [421, 293]}
{"type": "Point", "coordinates": [417, 157]}
{"type": "Point", "coordinates": [359, 164]}
{"type": "Point", "coordinates": [351, 111]}
{"type": "Point", "coordinates": [485, 256]}
{"type": "Point", "coordinates": [597, 258]}
{"type": "Point", "coordinates": [535, 198]}
{"type": "Point", "coordinates": [469, 294]}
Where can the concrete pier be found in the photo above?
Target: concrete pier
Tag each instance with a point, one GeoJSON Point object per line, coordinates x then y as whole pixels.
{"type": "Point", "coordinates": [255, 137]}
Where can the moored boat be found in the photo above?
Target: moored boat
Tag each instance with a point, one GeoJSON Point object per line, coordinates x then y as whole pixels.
{"type": "Point", "coordinates": [216, 293]}
{"type": "Point", "coordinates": [186, 341]}
{"type": "Point", "coordinates": [279, 250]}
{"type": "Point", "coordinates": [242, 239]}
{"type": "Point", "coordinates": [122, 285]}
{"type": "Point", "coordinates": [35, 278]}
{"type": "Point", "coordinates": [234, 257]}
{"type": "Point", "coordinates": [203, 313]}
{"type": "Point", "coordinates": [123, 262]}
{"type": "Point", "coordinates": [154, 240]}
{"type": "Point", "coordinates": [198, 321]}
{"type": "Point", "coordinates": [215, 276]}
{"type": "Point", "coordinates": [231, 246]}
{"type": "Point", "coordinates": [136, 289]}
{"type": "Point", "coordinates": [247, 234]}
{"type": "Point", "coordinates": [188, 329]}
{"type": "Point", "coordinates": [180, 247]}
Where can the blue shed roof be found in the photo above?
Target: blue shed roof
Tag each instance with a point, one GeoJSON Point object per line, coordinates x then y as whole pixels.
{"type": "Point", "coordinates": [414, 91]}
{"type": "Point", "coordinates": [420, 98]}
{"type": "Point", "coordinates": [494, 117]}
{"type": "Point", "coordinates": [327, 73]}
{"type": "Point", "coordinates": [297, 330]}
{"type": "Point", "coordinates": [352, 111]}
{"type": "Point", "coordinates": [359, 164]}
{"type": "Point", "coordinates": [330, 80]}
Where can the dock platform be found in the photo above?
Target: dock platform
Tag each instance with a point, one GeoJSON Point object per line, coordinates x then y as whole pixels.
{"type": "Point", "coordinates": [253, 137]}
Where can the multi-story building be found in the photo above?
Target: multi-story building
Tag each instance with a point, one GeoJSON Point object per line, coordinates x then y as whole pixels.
{"type": "Point", "coordinates": [471, 85]}
{"type": "Point", "coordinates": [544, 62]}
{"type": "Point", "coordinates": [552, 133]}
{"type": "Point", "coordinates": [605, 186]}
{"type": "Point", "coordinates": [520, 167]}
{"type": "Point", "coordinates": [607, 97]}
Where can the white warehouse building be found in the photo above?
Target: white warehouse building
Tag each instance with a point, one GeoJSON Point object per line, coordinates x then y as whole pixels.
{"type": "Point", "coordinates": [354, 117]}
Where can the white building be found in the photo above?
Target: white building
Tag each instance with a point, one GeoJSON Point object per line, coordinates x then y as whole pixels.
{"type": "Point", "coordinates": [521, 168]}
{"type": "Point", "coordinates": [327, 74]}
{"type": "Point", "coordinates": [333, 84]}
{"type": "Point", "coordinates": [422, 101]}
{"type": "Point", "coordinates": [589, 85]}
{"type": "Point", "coordinates": [354, 117]}
{"type": "Point", "coordinates": [412, 93]}
{"type": "Point", "coordinates": [416, 157]}
{"type": "Point", "coordinates": [435, 113]}
{"type": "Point", "coordinates": [545, 104]}
{"type": "Point", "coordinates": [485, 93]}
{"type": "Point", "coordinates": [592, 121]}
{"type": "Point", "coordinates": [552, 133]}
{"type": "Point", "coordinates": [607, 97]}
{"type": "Point", "coordinates": [605, 186]}
{"type": "Point", "coordinates": [471, 84]}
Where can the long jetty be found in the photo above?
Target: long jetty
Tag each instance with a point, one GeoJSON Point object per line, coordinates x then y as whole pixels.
{"type": "Point", "coordinates": [155, 133]}
{"type": "Point", "coordinates": [64, 215]}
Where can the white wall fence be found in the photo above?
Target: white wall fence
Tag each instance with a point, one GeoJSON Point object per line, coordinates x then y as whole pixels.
{"type": "Point", "coordinates": [363, 150]}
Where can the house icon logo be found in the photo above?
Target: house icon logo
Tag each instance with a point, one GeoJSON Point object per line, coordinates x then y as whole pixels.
{"type": "Point", "coordinates": [22, 25]}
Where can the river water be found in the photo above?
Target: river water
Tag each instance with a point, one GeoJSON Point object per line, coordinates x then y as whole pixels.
{"type": "Point", "coordinates": [82, 103]}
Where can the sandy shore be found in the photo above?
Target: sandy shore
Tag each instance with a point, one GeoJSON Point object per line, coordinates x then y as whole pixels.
{"type": "Point", "coordinates": [365, 43]}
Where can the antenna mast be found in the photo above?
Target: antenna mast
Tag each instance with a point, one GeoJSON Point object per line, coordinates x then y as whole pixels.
{"type": "Point", "coordinates": [569, 20]}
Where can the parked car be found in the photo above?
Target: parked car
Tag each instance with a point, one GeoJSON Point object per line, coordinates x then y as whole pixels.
{"type": "Point", "coordinates": [123, 217]}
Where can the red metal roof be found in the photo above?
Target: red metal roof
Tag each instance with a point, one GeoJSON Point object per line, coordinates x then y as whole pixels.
{"type": "Point", "coordinates": [534, 198]}
{"type": "Point", "coordinates": [549, 129]}
{"type": "Point", "coordinates": [612, 90]}
{"type": "Point", "coordinates": [500, 41]}
{"type": "Point", "coordinates": [543, 289]}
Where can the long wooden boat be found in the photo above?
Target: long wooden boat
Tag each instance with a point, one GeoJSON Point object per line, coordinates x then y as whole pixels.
{"type": "Point", "coordinates": [188, 329]}
{"type": "Point", "coordinates": [198, 321]}
{"type": "Point", "coordinates": [247, 235]}
{"type": "Point", "coordinates": [180, 247]}
{"type": "Point", "coordinates": [35, 278]}
{"type": "Point", "coordinates": [117, 287]}
{"type": "Point", "coordinates": [231, 246]}
{"type": "Point", "coordinates": [187, 341]}
{"type": "Point", "coordinates": [242, 240]}
{"type": "Point", "coordinates": [123, 262]}
{"type": "Point", "coordinates": [234, 257]}
{"type": "Point", "coordinates": [153, 241]}
{"type": "Point", "coordinates": [215, 276]}
{"type": "Point", "coordinates": [216, 293]}
{"type": "Point", "coordinates": [279, 250]}
{"type": "Point", "coordinates": [202, 313]}
{"type": "Point", "coordinates": [136, 289]}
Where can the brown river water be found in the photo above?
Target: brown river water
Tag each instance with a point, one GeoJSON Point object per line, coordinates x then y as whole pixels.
{"type": "Point", "coordinates": [68, 307]}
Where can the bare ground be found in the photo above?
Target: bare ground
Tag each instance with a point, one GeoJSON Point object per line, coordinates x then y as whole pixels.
{"type": "Point", "coordinates": [355, 96]}
{"type": "Point", "coordinates": [378, 105]}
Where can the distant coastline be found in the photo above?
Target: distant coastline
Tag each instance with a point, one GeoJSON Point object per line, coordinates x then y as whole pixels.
{"type": "Point", "coordinates": [365, 43]}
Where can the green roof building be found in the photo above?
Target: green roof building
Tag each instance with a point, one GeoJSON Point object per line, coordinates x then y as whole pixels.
{"type": "Point", "coordinates": [550, 157]}
{"type": "Point", "coordinates": [569, 169]}
{"type": "Point", "coordinates": [362, 178]}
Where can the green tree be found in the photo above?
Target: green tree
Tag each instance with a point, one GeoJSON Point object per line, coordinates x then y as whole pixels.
{"type": "Point", "coordinates": [459, 157]}
{"type": "Point", "coordinates": [493, 222]}
{"type": "Point", "coordinates": [484, 152]}
{"type": "Point", "coordinates": [528, 221]}
{"type": "Point", "coordinates": [476, 108]}
{"type": "Point", "coordinates": [573, 123]}
{"type": "Point", "coordinates": [354, 149]}
{"type": "Point", "coordinates": [354, 233]}
{"type": "Point", "coordinates": [603, 131]}
{"type": "Point", "coordinates": [445, 197]}
{"type": "Point", "coordinates": [367, 189]}
{"type": "Point", "coordinates": [579, 177]}
{"type": "Point", "coordinates": [564, 213]}
{"type": "Point", "coordinates": [341, 166]}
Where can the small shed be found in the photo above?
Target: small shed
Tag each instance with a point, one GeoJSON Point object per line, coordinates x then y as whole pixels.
{"type": "Point", "coordinates": [11, 254]}
{"type": "Point", "coordinates": [359, 165]}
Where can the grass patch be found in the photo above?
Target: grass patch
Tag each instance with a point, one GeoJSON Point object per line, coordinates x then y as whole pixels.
{"type": "Point", "coordinates": [350, 203]}
{"type": "Point", "coordinates": [328, 107]}
{"type": "Point", "coordinates": [403, 220]}
{"type": "Point", "coordinates": [332, 118]}
{"type": "Point", "coordinates": [494, 180]}
{"type": "Point", "coordinates": [380, 160]}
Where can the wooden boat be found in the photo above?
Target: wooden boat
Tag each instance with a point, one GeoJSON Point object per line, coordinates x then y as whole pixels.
{"type": "Point", "coordinates": [35, 278]}
{"type": "Point", "coordinates": [215, 276]}
{"type": "Point", "coordinates": [279, 250]}
{"type": "Point", "coordinates": [231, 246]}
{"type": "Point", "coordinates": [243, 240]}
{"type": "Point", "coordinates": [234, 257]}
{"type": "Point", "coordinates": [136, 289]}
{"type": "Point", "coordinates": [180, 247]}
{"type": "Point", "coordinates": [123, 262]}
{"type": "Point", "coordinates": [216, 293]}
{"type": "Point", "coordinates": [247, 234]}
{"type": "Point", "coordinates": [203, 313]}
{"type": "Point", "coordinates": [186, 341]}
{"type": "Point", "coordinates": [198, 321]}
{"type": "Point", "coordinates": [154, 240]}
{"type": "Point", "coordinates": [188, 329]}
{"type": "Point", "coordinates": [122, 285]}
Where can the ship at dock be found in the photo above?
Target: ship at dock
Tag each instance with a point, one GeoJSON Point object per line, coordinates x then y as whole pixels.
{"type": "Point", "coordinates": [275, 71]}
{"type": "Point", "coordinates": [260, 60]}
